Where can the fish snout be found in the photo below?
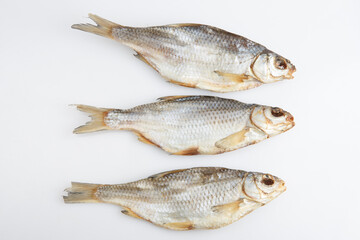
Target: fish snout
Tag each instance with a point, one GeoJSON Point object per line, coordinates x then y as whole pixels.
{"type": "Point", "coordinates": [282, 186]}
{"type": "Point", "coordinates": [290, 118]}
{"type": "Point", "coordinates": [291, 71]}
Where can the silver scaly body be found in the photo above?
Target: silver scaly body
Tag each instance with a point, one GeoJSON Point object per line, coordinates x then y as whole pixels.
{"type": "Point", "coordinates": [201, 56]}
{"type": "Point", "coordinates": [196, 198]}
{"type": "Point", "coordinates": [187, 125]}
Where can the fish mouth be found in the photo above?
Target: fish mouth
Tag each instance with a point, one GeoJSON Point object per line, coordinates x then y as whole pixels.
{"type": "Point", "coordinates": [289, 126]}
{"type": "Point", "coordinates": [290, 118]}
{"type": "Point", "coordinates": [290, 73]}
{"type": "Point", "coordinates": [286, 127]}
{"type": "Point", "coordinates": [282, 187]}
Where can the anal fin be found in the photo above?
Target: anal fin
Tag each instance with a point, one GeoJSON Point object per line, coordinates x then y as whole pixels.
{"type": "Point", "coordinates": [129, 212]}
{"type": "Point", "coordinates": [189, 151]}
{"type": "Point", "coordinates": [180, 226]}
{"type": "Point", "coordinates": [143, 139]}
{"type": "Point", "coordinates": [142, 58]}
{"type": "Point", "coordinates": [190, 85]}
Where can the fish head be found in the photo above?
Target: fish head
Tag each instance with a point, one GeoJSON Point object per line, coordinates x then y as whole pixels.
{"type": "Point", "coordinates": [271, 120]}
{"type": "Point", "coordinates": [262, 187]}
{"type": "Point", "coordinates": [270, 67]}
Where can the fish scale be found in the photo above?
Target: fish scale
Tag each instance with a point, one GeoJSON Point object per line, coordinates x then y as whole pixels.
{"type": "Point", "coordinates": [208, 195]}
{"type": "Point", "coordinates": [199, 38]}
{"type": "Point", "coordinates": [199, 127]}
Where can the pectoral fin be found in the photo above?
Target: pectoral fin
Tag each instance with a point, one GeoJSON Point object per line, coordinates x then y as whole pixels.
{"type": "Point", "coordinates": [241, 139]}
{"type": "Point", "coordinates": [238, 78]}
{"type": "Point", "coordinates": [228, 208]}
{"type": "Point", "coordinates": [180, 226]}
{"type": "Point", "coordinates": [232, 140]}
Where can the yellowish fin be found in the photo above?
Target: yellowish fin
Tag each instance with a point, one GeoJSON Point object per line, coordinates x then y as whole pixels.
{"type": "Point", "coordinates": [239, 78]}
{"type": "Point", "coordinates": [103, 27]}
{"type": "Point", "coordinates": [142, 58]}
{"type": "Point", "coordinates": [163, 174]}
{"type": "Point", "coordinates": [143, 139]}
{"type": "Point", "coordinates": [168, 98]}
{"type": "Point", "coordinates": [97, 122]}
{"type": "Point", "coordinates": [81, 193]}
{"type": "Point", "coordinates": [189, 151]}
{"type": "Point", "coordinates": [180, 226]}
{"type": "Point", "coordinates": [245, 137]}
{"type": "Point", "coordinates": [184, 25]}
{"type": "Point", "coordinates": [229, 208]}
{"type": "Point", "coordinates": [130, 213]}
{"type": "Point", "coordinates": [232, 140]}
{"type": "Point", "coordinates": [184, 84]}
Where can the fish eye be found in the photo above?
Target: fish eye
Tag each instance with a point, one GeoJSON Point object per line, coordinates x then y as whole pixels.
{"type": "Point", "coordinates": [267, 180]}
{"type": "Point", "coordinates": [277, 112]}
{"type": "Point", "coordinates": [280, 64]}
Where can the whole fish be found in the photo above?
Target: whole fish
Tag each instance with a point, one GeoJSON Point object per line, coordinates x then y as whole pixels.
{"type": "Point", "coordinates": [188, 125]}
{"type": "Point", "coordinates": [195, 198]}
{"type": "Point", "coordinates": [198, 56]}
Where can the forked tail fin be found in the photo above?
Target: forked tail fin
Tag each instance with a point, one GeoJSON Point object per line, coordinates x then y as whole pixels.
{"type": "Point", "coordinates": [81, 193]}
{"type": "Point", "coordinates": [103, 27]}
{"type": "Point", "coordinates": [97, 121]}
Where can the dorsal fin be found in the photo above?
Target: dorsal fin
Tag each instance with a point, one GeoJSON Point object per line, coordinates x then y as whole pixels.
{"type": "Point", "coordinates": [184, 25]}
{"type": "Point", "coordinates": [163, 174]}
{"type": "Point", "coordinates": [172, 97]}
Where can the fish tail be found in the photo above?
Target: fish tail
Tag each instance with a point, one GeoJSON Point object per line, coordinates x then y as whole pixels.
{"type": "Point", "coordinates": [97, 122]}
{"type": "Point", "coordinates": [81, 193]}
{"type": "Point", "coordinates": [103, 27]}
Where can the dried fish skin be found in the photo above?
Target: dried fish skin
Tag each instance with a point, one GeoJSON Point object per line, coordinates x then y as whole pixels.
{"type": "Point", "coordinates": [185, 199]}
{"type": "Point", "coordinates": [189, 125]}
{"type": "Point", "coordinates": [198, 56]}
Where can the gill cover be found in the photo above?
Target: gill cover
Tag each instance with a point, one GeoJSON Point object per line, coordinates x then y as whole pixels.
{"type": "Point", "coordinates": [262, 187]}
{"type": "Point", "coordinates": [270, 67]}
{"type": "Point", "coordinates": [271, 120]}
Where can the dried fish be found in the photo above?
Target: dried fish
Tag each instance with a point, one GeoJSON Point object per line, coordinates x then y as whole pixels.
{"type": "Point", "coordinates": [188, 125]}
{"type": "Point", "coordinates": [200, 56]}
{"type": "Point", "coordinates": [195, 198]}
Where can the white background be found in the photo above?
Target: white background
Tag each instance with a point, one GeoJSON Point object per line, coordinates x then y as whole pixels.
{"type": "Point", "coordinates": [45, 66]}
